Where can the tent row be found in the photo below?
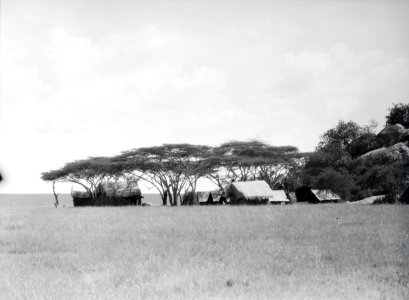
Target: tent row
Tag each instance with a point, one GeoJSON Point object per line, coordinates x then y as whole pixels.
{"type": "Point", "coordinates": [259, 192]}
{"type": "Point", "coordinates": [237, 193]}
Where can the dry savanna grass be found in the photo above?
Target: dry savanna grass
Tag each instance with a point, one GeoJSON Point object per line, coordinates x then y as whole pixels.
{"type": "Point", "coordinates": [267, 252]}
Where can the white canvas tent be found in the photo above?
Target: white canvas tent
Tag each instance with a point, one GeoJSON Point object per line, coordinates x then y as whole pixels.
{"type": "Point", "coordinates": [209, 197]}
{"type": "Point", "coordinates": [326, 196]}
{"type": "Point", "coordinates": [369, 200]}
{"type": "Point", "coordinates": [279, 196]}
{"type": "Point", "coordinates": [250, 192]}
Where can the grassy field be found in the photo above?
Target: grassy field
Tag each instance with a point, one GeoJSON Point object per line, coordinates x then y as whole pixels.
{"type": "Point", "coordinates": [268, 252]}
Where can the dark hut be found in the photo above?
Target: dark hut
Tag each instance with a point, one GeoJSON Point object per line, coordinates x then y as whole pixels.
{"type": "Point", "coordinates": [305, 194]}
{"type": "Point", "coordinates": [110, 194]}
{"type": "Point", "coordinates": [189, 198]}
{"type": "Point", "coordinates": [118, 194]}
{"type": "Point", "coordinates": [81, 198]}
{"type": "Point", "coordinates": [249, 192]}
{"type": "Point", "coordinates": [405, 197]}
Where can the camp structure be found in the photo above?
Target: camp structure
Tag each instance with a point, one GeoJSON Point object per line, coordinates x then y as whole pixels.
{"type": "Point", "coordinates": [204, 198]}
{"type": "Point", "coordinates": [118, 194]}
{"type": "Point", "coordinates": [405, 197]}
{"type": "Point", "coordinates": [110, 194]}
{"type": "Point", "coordinates": [370, 200]}
{"type": "Point", "coordinates": [279, 197]}
{"type": "Point", "coordinates": [326, 196]}
{"type": "Point", "coordinates": [249, 192]}
{"type": "Point", "coordinates": [292, 197]}
{"type": "Point", "coordinates": [81, 198]}
{"type": "Point", "coordinates": [305, 194]}
{"type": "Point", "coordinates": [211, 198]}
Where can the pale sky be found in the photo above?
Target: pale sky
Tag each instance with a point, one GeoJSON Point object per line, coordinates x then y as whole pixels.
{"type": "Point", "coordinates": [88, 78]}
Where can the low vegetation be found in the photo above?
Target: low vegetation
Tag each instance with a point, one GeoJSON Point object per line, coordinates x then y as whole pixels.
{"type": "Point", "coordinates": [341, 251]}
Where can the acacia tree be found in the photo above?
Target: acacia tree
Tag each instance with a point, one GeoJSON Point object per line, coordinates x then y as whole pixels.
{"type": "Point", "coordinates": [170, 168]}
{"type": "Point", "coordinates": [87, 173]}
{"type": "Point", "coordinates": [176, 168]}
{"type": "Point", "coordinates": [231, 164]}
{"type": "Point", "coordinates": [243, 161]}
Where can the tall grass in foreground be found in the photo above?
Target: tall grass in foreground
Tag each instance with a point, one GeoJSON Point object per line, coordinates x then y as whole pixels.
{"type": "Point", "coordinates": [301, 251]}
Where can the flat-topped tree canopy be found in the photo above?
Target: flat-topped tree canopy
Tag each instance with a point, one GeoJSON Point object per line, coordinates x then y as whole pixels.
{"type": "Point", "coordinates": [87, 173]}
{"type": "Point", "coordinates": [254, 151]}
{"type": "Point", "coordinates": [167, 153]}
{"type": "Point", "coordinates": [176, 168]}
{"type": "Point", "coordinates": [85, 168]}
{"type": "Point", "coordinates": [251, 160]}
{"type": "Point", "coordinates": [170, 168]}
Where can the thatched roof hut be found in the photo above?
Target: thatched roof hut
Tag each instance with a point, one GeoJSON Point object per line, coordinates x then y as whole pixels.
{"type": "Point", "coordinates": [81, 198]}
{"type": "Point", "coordinates": [118, 189]}
{"type": "Point", "coordinates": [109, 193]}
{"type": "Point", "coordinates": [118, 193]}
{"type": "Point", "coordinates": [305, 194]}
{"type": "Point", "coordinates": [249, 192]}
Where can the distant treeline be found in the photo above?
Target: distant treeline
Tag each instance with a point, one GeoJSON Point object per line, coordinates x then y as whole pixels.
{"type": "Point", "coordinates": [338, 163]}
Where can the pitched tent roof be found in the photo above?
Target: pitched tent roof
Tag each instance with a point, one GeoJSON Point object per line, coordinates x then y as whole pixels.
{"type": "Point", "coordinates": [278, 196]}
{"type": "Point", "coordinates": [119, 189]}
{"type": "Point", "coordinates": [202, 196]}
{"type": "Point", "coordinates": [326, 195]}
{"type": "Point", "coordinates": [252, 189]}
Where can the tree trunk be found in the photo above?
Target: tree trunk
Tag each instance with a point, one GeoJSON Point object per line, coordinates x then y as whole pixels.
{"type": "Point", "coordinates": [165, 198]}
{"type": "Point", "coordinates": [56, 203]}
{"type": "Point", "coordinates": [170, 199]}
{"type": "Point", "coordinates": [175, 197]}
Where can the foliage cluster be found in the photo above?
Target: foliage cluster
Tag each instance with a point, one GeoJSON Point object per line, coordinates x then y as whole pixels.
{"type": "Point", "coordinates": [338, 164]}
{"type": "Point", "coordinates": [398, 114]}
